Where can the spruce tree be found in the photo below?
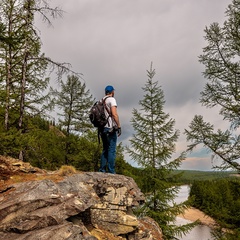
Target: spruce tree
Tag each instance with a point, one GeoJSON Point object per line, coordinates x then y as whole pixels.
{"type": "Point", "coordinates": [152, 146]}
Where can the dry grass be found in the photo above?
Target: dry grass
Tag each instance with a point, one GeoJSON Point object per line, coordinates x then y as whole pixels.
{"type": "Point", "coordinates": [66, 170]}
{"type": "Point", "coordinates": [14, 171]}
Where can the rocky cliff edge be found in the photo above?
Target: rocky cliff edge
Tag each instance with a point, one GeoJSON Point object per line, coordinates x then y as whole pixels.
{"type": "Point", "coordinates": [36, 204]}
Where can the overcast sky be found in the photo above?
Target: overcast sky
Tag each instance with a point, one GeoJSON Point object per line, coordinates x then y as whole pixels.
{"type": "Point", "coordinates": [113, 42]}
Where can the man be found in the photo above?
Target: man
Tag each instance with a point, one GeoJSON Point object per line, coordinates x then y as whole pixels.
{"type": "Point", "coordinates": [111, 131]}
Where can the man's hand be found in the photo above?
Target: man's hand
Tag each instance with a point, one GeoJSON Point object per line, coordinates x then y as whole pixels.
{"type": "Point", "coordinates": [119, 131]}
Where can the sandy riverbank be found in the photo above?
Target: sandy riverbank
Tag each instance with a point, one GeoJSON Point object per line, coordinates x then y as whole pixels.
{"type": "Point", "coordinates": [194, 214]}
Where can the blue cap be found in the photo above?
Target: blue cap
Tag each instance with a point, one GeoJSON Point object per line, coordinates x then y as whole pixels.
{"type": "Point", "coordinates": [109, 89]}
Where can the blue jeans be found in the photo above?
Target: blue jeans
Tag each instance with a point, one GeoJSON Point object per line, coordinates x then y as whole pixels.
{"type": "Point", "coordinates": [109, 140]}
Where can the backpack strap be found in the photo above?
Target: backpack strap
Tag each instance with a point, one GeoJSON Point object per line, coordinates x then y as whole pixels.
{"type": "Point", "coordinates": [105, 107]}
{"type": "Point", "coordinates": [104, 103]}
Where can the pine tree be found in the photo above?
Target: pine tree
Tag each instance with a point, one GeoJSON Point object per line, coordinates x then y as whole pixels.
{"type": "Point", "coordinates": [152, 146]}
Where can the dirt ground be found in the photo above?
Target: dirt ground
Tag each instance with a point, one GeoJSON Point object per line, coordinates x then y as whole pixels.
{"type": "Point", "coordinates": [194, 214]}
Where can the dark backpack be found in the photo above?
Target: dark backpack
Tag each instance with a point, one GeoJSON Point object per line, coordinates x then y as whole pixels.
{"type": "Point", "coordinates": [97, 114]}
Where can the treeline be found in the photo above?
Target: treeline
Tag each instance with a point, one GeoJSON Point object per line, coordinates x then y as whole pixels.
{"type": "Point", "coordinates": [219, 199]}
{"type": "Point", "coordinates": [190, 176]}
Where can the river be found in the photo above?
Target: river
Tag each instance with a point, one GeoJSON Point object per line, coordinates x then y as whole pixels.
{"type": "Point", "coordinates": [200, 232]}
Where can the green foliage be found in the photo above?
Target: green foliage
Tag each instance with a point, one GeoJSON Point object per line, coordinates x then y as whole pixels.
{"type": "Point", "coordinates": [43, 149]}
{"type": "Point", "coordinates": [88, 152]}
{"type": "Point", "coordinates": [122, 167]}
{"type": "Point", "coordinates": [189, 176]}
{"type": "Point", "coordinates": [222, 69]}
{"type": "Point", "coordinates": [75, 101]}
{"type": "Point", "coordinates": [10, 142]}
{"type": "Point", "coordinates": [152, 146]}
{"type": "Point", "coordinates": [219, 199]}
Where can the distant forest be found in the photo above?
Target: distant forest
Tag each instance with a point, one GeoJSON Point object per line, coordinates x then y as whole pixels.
{"type": "Point", "coordinates": [190, 176]}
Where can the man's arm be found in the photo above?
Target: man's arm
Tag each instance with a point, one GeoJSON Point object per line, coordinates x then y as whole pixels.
{"type": "Point", "coordinates": [115, 116]}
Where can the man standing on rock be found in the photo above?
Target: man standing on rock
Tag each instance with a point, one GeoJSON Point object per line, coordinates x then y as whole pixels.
{"type": "Point", "coordinates": [111, 131]}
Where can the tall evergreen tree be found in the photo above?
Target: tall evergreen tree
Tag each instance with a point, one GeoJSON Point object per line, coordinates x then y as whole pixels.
{"type": "Point", "coordinates": [75, 101]}
{"type": "Point", "coordinates": [152, 146]}
{"type": "Point", "coordinates": [222, 70]}
{"type": "Point", "coordinates": [23, 66]}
